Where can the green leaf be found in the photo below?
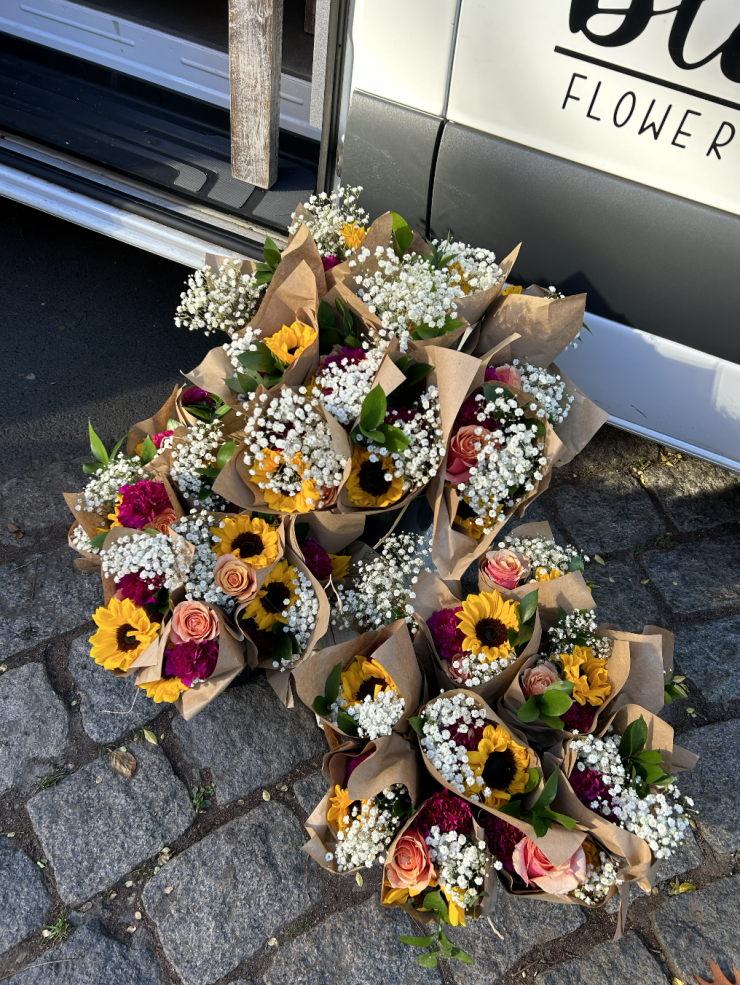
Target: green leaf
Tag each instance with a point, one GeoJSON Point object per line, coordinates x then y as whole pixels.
{"type": "Point", "coordinates": [417, 725]}
{"type": "Point", "coordinates": [333, 682]}
{"type": "Point", "coordinates": [233, 384]}
{"type": "Point", "coordinates": [513, 808]}
{"type": "Point", "coordinates": [552, 721]}
{"type": "Point", "coordinates": [634, 738]}
{"type": "Point", "coordinates": [495, 391]}
{"type": "Point", "coordinates": [460, 955]}
{"type": "Point", "coordinates": [99, 539]}
{"type": "Point", "coordinates": [327, 317]}
{"type": "Point", "coordinates": [272, 253]}
{"type": "Point", "coordinates": [225, 454]}
{"type": "Point", "coordinates": [393, 438]}
{"type": "Point", "coordinates": [148, 450]}
{"type": "Point", "coordinates": [402, 234]}
{"type": "Point", "coordinates": [567, 822]}
{"type": "Point", "coordinates": [283, 650]}
{"type": "Point", "coordinates": [528, 606]}
{"type": "Point", "coordinates": [540, 825]}
{"type": "Point", "coordinates": [535, 424]}
{"type": "Point", "coordinates": [248, 381]}
{"type": "Point", "coordinates": [424, 331]}
{"type": "Point", "coordinates": [378, 437]}
{"type": "Point", "coordinates": [576, 564]}
{"type": "Point", "coordinates": [96, 445]}
{"type": "Point", "coordinates": [529, 710]}
{"type": "Point", "coordinates": [172, 424]}
{"type": "Point", "coordinates": [374, 408]}
{"type": "Point", "coordinates": [428, 960]}
{"type": "Point", "coordinates": [555, 703]}
{"type": "Point", "coordinates": [446, 944]}
{"type": "Point", "coordinates": [417, 941]}
{"type": "Point", "coordinates": [117, 447]}
{"type": "Point", "coordinates": [346, 723]}
{"type": "Point", "coordinates": [534, 779]}
{"type": "Point", "coordinates": [566, 686]}
{"type": "Point", "coordinates": [549, 792]}
{"type": "Point", "coordinates": [435, 901]}
{"type": "Point", "coordinates": [321, 705]}
{"type": "Point", "coordinates": [261, 361]}
{"type": "Point", "coordinates": [649, 757]}
{"type": "Point", "coordinates": [524, 636]}
{"type": "Point", "coordinates": [90, 467]}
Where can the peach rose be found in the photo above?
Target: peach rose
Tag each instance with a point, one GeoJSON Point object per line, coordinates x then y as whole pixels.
{"type": "Point", "coordinates": [506, 568]}
{"type": "Point", "coordinates": [164, 521]}
{"type": "Point", "coordinates": [464, 449]}
{"type": "Point", "coordinates": [235, 577]}
{"type": "Point", "coordinates": [535, 868]}
{"type": "Point", "coordinates": [509, 376]}
{"type": "Point", "coordinates": [410, 868]}
{"type": "Point", "coordinates": [193, 622]}
{"type": "Point", "coordinates": [537, 679]}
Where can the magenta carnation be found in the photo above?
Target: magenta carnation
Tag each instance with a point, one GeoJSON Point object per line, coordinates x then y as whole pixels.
{"type": "Point", "coordinates": [317, 560]}
{"type": "Point", "coordinates": [448, 811]}
{"type": "Point", "coordinates": [195, 395]}
{"type": "Point", "coordinates": [579, 718]}
{"type": "Point", "coordinates": [466, 735]}
{"type": "Point", "coordinates": [353, 764]}
{"type": "Point", "coordinates": [403, 415]}
{"type": "Point", "coordinates": [132, 587]}
{"type": "Point", "coordinates": [142, 502]}
{"type": "Point", "coordinates": [589, 786]}
{"type": "Point", "coordinates": [352, 356]}
{"type": "Point", "coordinates": [265, 642]}
{"type": "Point", "coordinates": [445, 630]}
{"type": "Point", "coordinates": [502, 838]}
{"type": "Point", "coordinates": [468, 414]}
{"type": "Point", "coordinates": [191, 662]}
{"type": "Point", "coordinates": [329, 262]}
{"type": "Point", "coordinates": [157, 439]}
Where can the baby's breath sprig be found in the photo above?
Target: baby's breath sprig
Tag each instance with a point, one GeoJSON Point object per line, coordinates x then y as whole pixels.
{"type": "Point", "coordinates": [223, 300]}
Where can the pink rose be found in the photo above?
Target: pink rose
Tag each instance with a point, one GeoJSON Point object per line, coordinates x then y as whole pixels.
{"type": "Point", "coordinates": [410, 868]}
{"type": "Point", "coordinates": [506, 568]}
{"type": "Point", "coordinates": [535, 868]}
{"type": "Point", "coordinates": [235, 577]}
{"type": "Point", "coordinates": [193, 622]}
{"type": "Point", "coordinates": [537, 679]}
{"type": "Point", "coordinates": [509, 376]}
{"type": "Point", "coordinates": [464, 449]}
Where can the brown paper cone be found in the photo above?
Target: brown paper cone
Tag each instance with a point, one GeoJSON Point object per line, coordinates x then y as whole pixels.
{"type": "Point", "coordinates": [156, 424]}
{"type": "Point", "coordinates": [583, 421]}
{"type": "Point", "coordinates": [645, 683]}
{"type": "Point", "coordinates": [545, 326]}
{"type": "Point", "coordinates": [87, 560]}
{"type": "Point", "coordinates": [89, 521]}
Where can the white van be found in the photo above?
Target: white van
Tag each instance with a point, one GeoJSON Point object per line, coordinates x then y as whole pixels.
{"type": "Point", "coordinates": [603, 134]}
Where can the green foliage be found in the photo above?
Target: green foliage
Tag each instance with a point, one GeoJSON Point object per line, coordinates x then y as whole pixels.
{"type": "Point", "coordinates": [148, 450]}
{"type": "Point", "coordinates": [202, 798]}
{"type": "Point", "coordinates": [50, 780]}
{"type": "Point", "coordinates": [438, 259]}
{"type": "Point", "coordinates": [417, 725]}
{"type": "Point", "coordinates": [225, 453]}
{"type": "Point", "coordinates": [540, 815]}
{"type": "Point", "coordinates": [372, 427]}
{"type": "Point", "coordinates": [645, 766]}
{"type": "Point", "coordinates": [423, 331]}
{"type": "Point", "coordinates": [576, 564]}
{"type": "Point", "coordinates": [406, 394]}
{"type": "Point", "coordinates": [287, 644]}
{"type": "Point", "coordinates": [322, 703]}
{"type": "Point", "coordinates": [99, 539]}
{"type": "Point", "coordinates": [548, 706]}
{"type": "Point", "coordinates": [443, 946]}
{"type": "Point", "coordinates": [527, 617]}
{"type": "Point", "coordinates": [101, 456]}
{"type": "Point", "coordinates": [675, 690]}
{"type": "Point", "coordinates": [57, 933]}
{"type": "Point", "coordinates": [402, 235]}
{"type": "Point", "coordinates": [338, 325]}
{"type": "Point", "coordinates": [260, 366]}
{"type": "Point", "coordinates": [266, 270]}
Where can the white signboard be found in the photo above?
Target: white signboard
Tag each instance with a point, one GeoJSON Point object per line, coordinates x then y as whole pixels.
{"type": "Point", "coordinates": [645, 89]}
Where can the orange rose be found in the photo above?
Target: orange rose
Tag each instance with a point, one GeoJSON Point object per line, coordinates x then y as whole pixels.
{"type": "Point", "coordinates": [537, 679]}
{"type": "Point", "coordinates": [506, 568]}
{"type": "Point", "coordinates": [193, 622]}
{"type": "Point", "coordinates": [410, 868]}
{"type": "Point", "coordinates": [464, 449]}
{"type": "Point", "coordinates": [235, 577]}
{"type": "Point", "coordinates": [163, 522]}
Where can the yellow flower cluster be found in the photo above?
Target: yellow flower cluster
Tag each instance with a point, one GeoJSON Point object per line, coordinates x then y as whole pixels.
{"type": "Point", "coordinates": [588, 673]}
{"type": "Point", "coordinates": [499, 755]}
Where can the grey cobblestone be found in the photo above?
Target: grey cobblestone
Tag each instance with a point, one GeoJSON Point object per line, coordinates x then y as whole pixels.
{"type": "Point", "coordinates": [33, 501]}
{"type": "Point", "coordinates": [310, 790]}
{"type": "Point", "coordinates": [628, 961]}
{"type": "Point", "coordinates": [709, 654]}
{"type": "Point", "coordinates": [696, 495]}
{"type": "Point", "coordinates": [698, 579]}
{"type": "Point", "coordinates": [24, 900]}
{"type": "Point", "coordinates": [624, 602]}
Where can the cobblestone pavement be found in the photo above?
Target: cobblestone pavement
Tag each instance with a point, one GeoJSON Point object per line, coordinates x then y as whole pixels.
{"type": "Point", "coordinates": [155, 892]}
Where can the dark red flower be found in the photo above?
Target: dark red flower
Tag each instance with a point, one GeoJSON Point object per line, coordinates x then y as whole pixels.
{"type": "Point", "coordinates": [447, 811]}
{"type": "Point", "coordinates": [265, 642]}
{"type": "Point", "coordinates": [445, 630]}
{"type": "Point", "coordinates": [159, 438]}
{"type": "Point", "coordinates": [352, 356]}
{"type": "Point", "coordinates": [142, 502]}
{"type": "Point", "coordinates": [579, 718]}
{"type": "Point", "coordinates": [330, 261]}
{"type": "Point", "coordinates": [317, 560]}
{"type": "Point", "coordinates": [468, 414]}
{"type": "Point", "coordinates": [195, 395]}
{"type": "Point", "coordinates": [502, 838]}
{"type": "Point", "coordinates": [469, 738]}
{"type": "Point", "coordinates": [353, 764]}
{"type": "Point", "coordinates": [191, 661]}
{"type": "Point", "coordinates": [132, 587]}
{"type": "Point", "coordinates": [588, 786]}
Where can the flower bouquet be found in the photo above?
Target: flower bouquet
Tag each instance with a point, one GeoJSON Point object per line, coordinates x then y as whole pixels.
{"type": "Point", "coordinates": [478, 643]}
{"type": "Point", "coordinates": [366, 687]}
{"type": "Point", "coordinates": [373, 788]}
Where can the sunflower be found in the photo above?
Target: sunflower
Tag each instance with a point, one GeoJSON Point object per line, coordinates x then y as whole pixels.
{"type": "Point", "coordinates": [353, 235]}
{"type": "Point", "coordinates": [339, 565]}
{"type": "Point", "coordinates": [471, 528]}
{"type": "Point", "coordinates": [309, 498]}
{"type": "Point", "coordinates": [391, 895]}
{"type": "Point", "coordinates": [124, 632]}
{"type": "Point", "coordinates": [573, 662]}
{"type": "Point", "coordinates": [485, 621]}
{"type": "Point", "coordinates": [542, 574]}
{"type": "Point", "coordinates": [165, 689]}
{"type": "Point", "coordinates": [339, 811]}
{"type": "Point", "coordinates": [500, 765]}
{"type": "Point", "coordinates": [249, 538]}
{"type": "Point", "coordinates": [372, 481]}
{"type": "Point", "coordinates": [276, 594]}
{"type": "Point", "coordinates": [291, 342]}
{"type": "Point", "coordinates": [593, 685]}
{"type": "Point", "coordinates": [455, 912]}
{"type": "Point", "coordinates": [113, 517]}
{"type": "Point", "coordinates": [511, 289]}
{"type": "Point", "coordinates": [365, 678]}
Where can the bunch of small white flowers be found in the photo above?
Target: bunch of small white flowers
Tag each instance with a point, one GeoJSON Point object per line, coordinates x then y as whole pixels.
{"type": "Point", "coordinates": [327, 216]}
{"type": "Point", "coordinates": [471, 267]}
{"type": "Point", "coordinates": [419, 462]}
{"type": "Point", "coordinates": [472, 669]}
{"type": "Point", "coordinates": [382, 587]}
{"type": "Point", "coordinates": [577, 629]}
{"type": "Point", "coordinates": [371, 831]}
{"type": "Point", "coordinates": [199, 583]}
{"type": "Point", "coordinates": [541, 552]}
{"type": "Point", "coordinates": [196, 450]}
{"type": "Point", "coordinates": [342, 385]}
{"type": "Point", "coordinates": [510, 459]}
{"type": "Point", "coordinates": [245, 341]}
{"type": "Point", "coordinates": [291, 424]}
{"type": "Point", "coordinates": [301, 616]}
{"type": "Point", "coordinates": [224, 299]}
{"type": "Point", "coordinates": [81, 542]}
{"type": "Point", "coordinates": [599, 879]}
{"type": "Point", "coordinates": [374, 716]}
{"type": "Point", "coordinates": [445, 755]}
{"type": "Point", "coordinates": [461, 863]}
{"type": "Point", "coordinates": [150, 556]}
{"type": "Point", "coordinates": [99, 495]}
{"type": "Point", "coordinates": [547, 390]}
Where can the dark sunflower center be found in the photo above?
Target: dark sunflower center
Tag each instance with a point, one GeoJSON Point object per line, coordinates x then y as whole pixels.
{"type": "Point", "coordinates": [491, 632]}
{"type": "Point", "coordinates": [292, 351]}
{"type": "Point", "coordinates": [368, 687]}
{"type": "Point", "coordinates": [277, 597]}
{"type": "Point", "coordinates": [247, 545]}
{"type": "Point", "coordinates": [500, 769]}
{"type": "Point", "coordinates": [123, 641]}
{"type": "Point", "coordinates": [372, 478]}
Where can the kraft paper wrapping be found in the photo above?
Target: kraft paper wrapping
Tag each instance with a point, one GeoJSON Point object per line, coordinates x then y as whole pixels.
{"type": "Point", "coordinates": [87, 561]}
{"type": "Point", "coordinates": [645, 685]}
{"type": "Point", "coordinates": [171, 409]}
{"type": "Point", "coordinates": [371, 323]}
{"type": "Point", "coordinates": [660, 736]}
{"type": "Point", "coordinates": [392, 759]}
{"type": "Point", "coordinates": [558, 843]}
{"type": "Point", "coordinates": [333, 531]}
{"type": "Point", "coordinates": [90, 521]}
{"type": "Point", "coordinates": [273, 307]}
{"type": "Point", "coordinates": [391, 646]}
{"type": "Point", "coordinates": [583, 421]}
{"type": "Point", "coordinates": [474, 306]}
{"type": "Point", "coordinates": [432, 594]}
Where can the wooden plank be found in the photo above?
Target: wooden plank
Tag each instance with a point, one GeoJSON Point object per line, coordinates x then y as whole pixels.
{"type": "Point", "coordinates": [255, 59]}
{"type": "Point", "coordinates": [310, 16]}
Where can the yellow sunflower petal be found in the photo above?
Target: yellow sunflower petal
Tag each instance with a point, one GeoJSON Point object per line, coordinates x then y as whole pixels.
{"type": "Point", "coordinates": [263, 607]}
{"type": "Point", "coordinates": [291, 342]}
{"type": "Point", "coordinates": [485, 621]}
{"type": "Point", "coordinates": [353, 235]}
{"type": "Point", "coordinates": [124, 632]}
{"type": "Point", "coordinates": [165, 689]}
{"type": "Point", "coordinates": [368, 486]}
{"type": "Point", "coordinates": [339, 565]}
{"type": "Point", "coordinates": [252, 539]}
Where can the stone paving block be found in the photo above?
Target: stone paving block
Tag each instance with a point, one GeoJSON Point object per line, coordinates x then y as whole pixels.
{"type": "Point", "coordinates": [607, 513]}
{"type": "Point", "coordinates": [709, 654]}
{"type": "Point", "coordinates": [702, 578]}
{"type": "Point", "coordinates": [624, 602]}
{"type": "Point", "coordinates": [687, 857]}
{"type": "Point", "coordinates": [612, 448]}
{"type": "Point", "coordinates": [713, 783]}
{"type": "Point", "coordinates": [231, 892]}
{"type": "Point", "coordinates": [92, 957]}
{"type": "Point", "coordinates": [524, 923]}
{"type": "Point", "coordinates": [248, 739]}
{"type": "Point", "coordinates": [34, 724]}
{"type": "Point", "coordinates": [33, 501]}
{"type": "Point", "coordinates": [628, 961]}
{"type": "Point", "coordinates": [696, 928]}
{"type": "Point", "coordinates": [696, 495]}
{"type": "Point", "coordinates": [24, 900]}
{"type": "Point", "coordinates": [63, 597]}
{"type": "Point", "coordinates": [95, 826]}
{"type": "Point", "coordinates": [310, 790]}
{"type": "Point", "coordinates": [357, 947]}
{"type": "Point", "coordinates": [109, 705]}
